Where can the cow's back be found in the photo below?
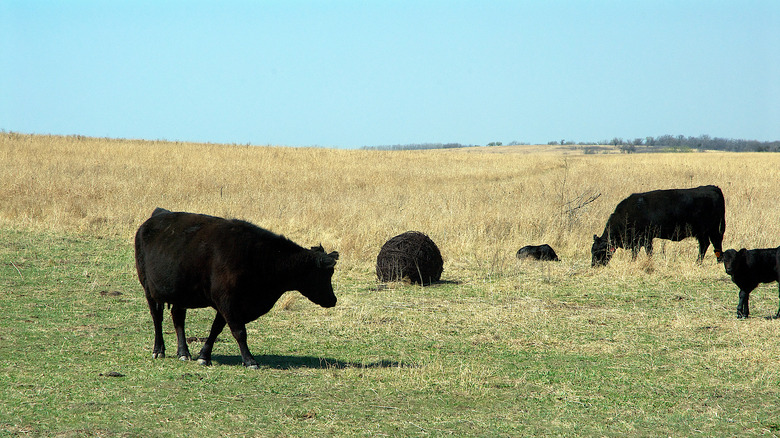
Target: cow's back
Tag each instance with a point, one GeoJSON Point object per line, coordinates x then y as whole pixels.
{"type": "Point", "coordinates": [175, 255]}
{"type": "Point", "coordinates": [186, 258]}
{"type": "Point", "coordinates": [762, 265]}
{"type": "Point", "coordinates": [667, 211]}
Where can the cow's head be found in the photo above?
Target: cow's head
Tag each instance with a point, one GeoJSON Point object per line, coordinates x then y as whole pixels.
{"type": "Point", "coordinates": [317, 285]}
{"type": "Point", "coordinates": [601, 251]}
{"type": "Point", "coordinates": [733, 259]}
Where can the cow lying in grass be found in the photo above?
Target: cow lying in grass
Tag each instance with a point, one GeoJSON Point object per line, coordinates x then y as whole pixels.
{"type": "Point", "coordinates": [750, 267]}
{"type": "Point", "coordinates": [537, 252]}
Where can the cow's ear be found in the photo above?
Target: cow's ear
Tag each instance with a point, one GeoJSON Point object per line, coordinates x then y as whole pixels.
{"type": "Point", "coordinates": [595, 238]}
{"type": "Point", "coordinates": [318, 248]}
{"type": "Point", "coordinates": [325, 261]}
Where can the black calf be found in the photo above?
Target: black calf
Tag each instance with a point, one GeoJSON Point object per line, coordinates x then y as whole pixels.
{"type": "Point", "coordinates": [750, 267]}
{"type": "Point", "coordinates": [537, 252]}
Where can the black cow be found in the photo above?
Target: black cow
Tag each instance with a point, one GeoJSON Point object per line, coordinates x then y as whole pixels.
{"type": "Point", "coordinates": [537, 252]}
{"type": "Point", "coordinates": [192, 260]}
{"type": "Point", "coordinates": [666, 214]}
{"type": "Point", "coordinates": [748, 268]}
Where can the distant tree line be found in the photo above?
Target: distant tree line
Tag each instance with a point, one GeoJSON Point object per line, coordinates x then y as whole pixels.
{"type": "Point", "coordinates": [662, 143]}
{"type": "Point", "coordinates": [418, 146]}
{"type": "Point", "coordinates": [683, 143]}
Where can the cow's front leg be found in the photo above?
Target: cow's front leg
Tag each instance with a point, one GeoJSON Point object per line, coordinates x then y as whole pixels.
{"type": "Point", "coordinates": [704, 243]}
{"type": "Point", "coordinates": [178, 314]}
{"type": "Point", "coordinates": [743, 310]}
{"type": "Point", "coordinates": [204, 357]}
{"type": "Point", "coordinates": [239, 332]}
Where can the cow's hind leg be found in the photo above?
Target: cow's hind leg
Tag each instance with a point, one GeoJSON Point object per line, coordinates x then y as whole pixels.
{"type": "Point", "coordinates": [178, 314]}
{"type": "Point", "coordinates": [777, 316]}
{"type": "Point", "coordinates": [204, 357]}
{"type": "Point", "coordinates": [156, 309]}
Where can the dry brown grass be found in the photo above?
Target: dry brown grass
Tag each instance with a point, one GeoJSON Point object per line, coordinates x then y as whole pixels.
{"type": "Point", "coordinates": [478, 207]}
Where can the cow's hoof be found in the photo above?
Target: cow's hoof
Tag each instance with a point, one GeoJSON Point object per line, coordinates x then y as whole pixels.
{"type": "Point", "coordinates": [160, 355]}
{"type": "Point", "coordinates": [204, 362]}
{"type": "Point", "coordinates": [253, 367]}
{"type": "Point", "coordinates": [184, 358]}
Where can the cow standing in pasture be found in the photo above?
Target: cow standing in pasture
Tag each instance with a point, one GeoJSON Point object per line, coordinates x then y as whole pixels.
{"type": "Point", "coordinates": [665, 214]}
{"type": "Point", "coordinates": [750, 267]}
{"type": "Point", "coordinates": [192, 260]}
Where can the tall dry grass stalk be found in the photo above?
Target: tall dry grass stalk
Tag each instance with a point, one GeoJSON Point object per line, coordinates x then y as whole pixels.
{"type": "Point", "coordinates": [478, 207]}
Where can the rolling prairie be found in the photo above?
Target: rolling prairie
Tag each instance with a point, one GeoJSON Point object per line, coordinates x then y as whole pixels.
{"type": "Point", "coordinates": [499, 348]}
{"type": "Point", "coordinates": [475, 206]}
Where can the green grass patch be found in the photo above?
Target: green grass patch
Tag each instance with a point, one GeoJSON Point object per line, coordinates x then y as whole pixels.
{"type": "Point", "coordinates": [522, 349]}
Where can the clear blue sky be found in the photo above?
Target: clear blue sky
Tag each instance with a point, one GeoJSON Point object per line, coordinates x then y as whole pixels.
{"type": "Point", "coordinates": [350, 73]}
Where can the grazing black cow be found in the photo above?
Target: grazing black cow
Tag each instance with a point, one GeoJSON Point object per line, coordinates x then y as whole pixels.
{"type": "Point", "coordinates": [192, 260]}
{"type": "Point", "coordinates": [537, 252]}
{"type": "Point", "coordinates": [748, 268]}
{"type": "Point", "coordinates": [666, 214]}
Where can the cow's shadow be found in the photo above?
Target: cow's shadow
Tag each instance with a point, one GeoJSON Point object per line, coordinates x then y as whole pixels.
{"type": "Point", "coordinates": [384, 286]}
{"type": "Point", "coordinates": [455, 282]}
{"type": "Point", "coordinates": [284, 362]}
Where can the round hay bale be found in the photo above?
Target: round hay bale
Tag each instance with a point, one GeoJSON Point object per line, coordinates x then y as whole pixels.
{"type": "Point", "coordinates": [411, 255]}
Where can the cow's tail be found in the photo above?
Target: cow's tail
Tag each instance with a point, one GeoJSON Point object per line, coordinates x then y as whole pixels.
{"type": "Point", "coordinates": [721, 224]}
{"type": "Point", "coordinates": [721, 212]}
{"type": "Point", "coordinates": [140, 265]}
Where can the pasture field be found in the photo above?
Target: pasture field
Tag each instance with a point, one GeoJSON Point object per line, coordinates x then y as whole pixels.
{"type": "Point", "coordinates": [499, 348]}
